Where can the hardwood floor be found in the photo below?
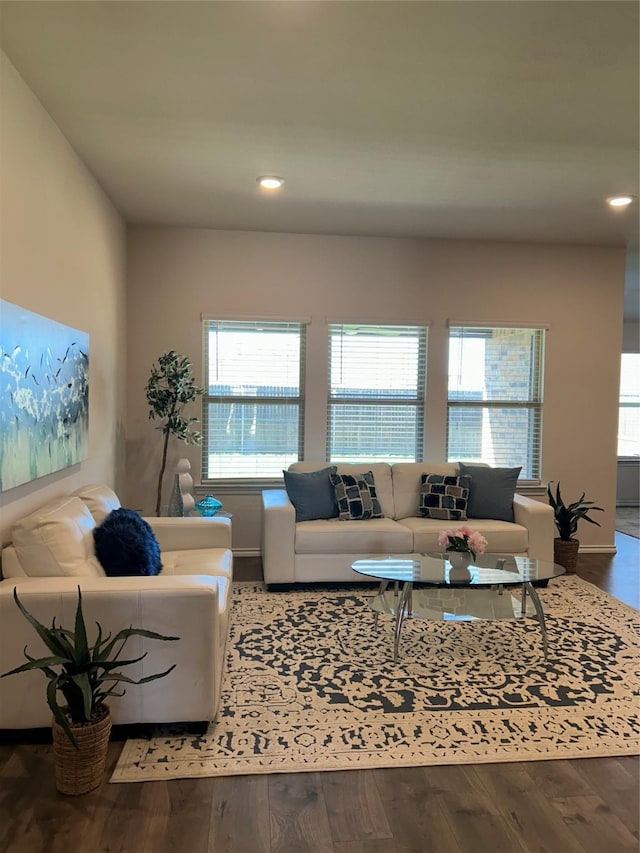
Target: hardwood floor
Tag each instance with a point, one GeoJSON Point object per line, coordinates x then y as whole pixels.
{"type": "Point", "coordinates": [553, 806]}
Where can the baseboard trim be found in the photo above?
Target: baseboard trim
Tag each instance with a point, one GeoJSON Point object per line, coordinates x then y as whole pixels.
{"type": "Point", "coordinates": [597, 549]}
{"type": "Point", "coordinates": [247, 552]}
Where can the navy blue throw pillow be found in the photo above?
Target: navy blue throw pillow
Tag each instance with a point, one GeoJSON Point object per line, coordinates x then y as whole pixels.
{"type": "Point", "coordinates": [126, 545]}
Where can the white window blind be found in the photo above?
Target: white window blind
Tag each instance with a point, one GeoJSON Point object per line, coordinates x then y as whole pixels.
{"type": "Point", "coordinates": [254, 398]}
{"type": "Point", "coordinates": [376, 392]}
{"type": "Point", "coordinates": [495, 397]}
{"type": "Point", "coordinates": [629, 413]}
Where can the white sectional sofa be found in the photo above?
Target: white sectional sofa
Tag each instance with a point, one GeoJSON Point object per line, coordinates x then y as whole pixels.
{"type": "Point", "coordinates": [324, 549]}
{"type": "Point", "coordinates": [51, 554]}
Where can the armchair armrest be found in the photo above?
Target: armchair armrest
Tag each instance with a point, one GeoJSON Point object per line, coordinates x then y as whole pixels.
{"type": "Point", "coordinates": [188, 607]}
{"type": "Point", "coordinates": [537, 517]}
{"type": "Point", "coordinates": [185, 534]}
{"type": "Point", "coordinates": [278, 537]}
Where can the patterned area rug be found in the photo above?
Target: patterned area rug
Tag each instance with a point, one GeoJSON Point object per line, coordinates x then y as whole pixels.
{"type": "Point", "coordinates": [311, 686]}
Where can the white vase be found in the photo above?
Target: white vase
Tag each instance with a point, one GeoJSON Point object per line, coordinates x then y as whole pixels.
{"type": "Point", "coordinates": [459, 574]}
{"type": "Point", "coordinates": [459, 559]}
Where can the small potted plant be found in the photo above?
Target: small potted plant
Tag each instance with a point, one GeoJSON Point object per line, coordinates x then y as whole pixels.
{"type": "Point", "coordinates": [86, 675]}
{"type": "Point", "coordinates": [565, 545]}
{"type": "Point", "coordinates": [169, 389]}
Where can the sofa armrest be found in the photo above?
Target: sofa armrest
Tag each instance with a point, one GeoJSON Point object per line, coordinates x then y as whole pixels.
{"type": "Point", "coordinates": [537, 517]}
{"type": "Point", "coordinates": [185, 534]}
{"type": "Point", "coordinates": [278, 537]}
{"type": "Point", "coordinates": [189, 607]}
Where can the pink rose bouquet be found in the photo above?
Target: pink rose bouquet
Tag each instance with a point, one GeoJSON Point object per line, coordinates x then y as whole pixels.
{"type": "Point", "coordinates": [463, 540]}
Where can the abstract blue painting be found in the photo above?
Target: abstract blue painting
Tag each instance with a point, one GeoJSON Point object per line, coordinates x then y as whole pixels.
{"type": "Point", "coordinates": [44, 396]}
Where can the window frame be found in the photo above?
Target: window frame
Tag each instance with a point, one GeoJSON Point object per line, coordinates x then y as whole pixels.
{"type": "Point", "coordinates": [625, 405]}
{"type": "Point", "coordinates": [534, 404]}
{"type": "Point", "coordinates": [416, 402]}
{"type": "Point", "coordinates": [247, 484]}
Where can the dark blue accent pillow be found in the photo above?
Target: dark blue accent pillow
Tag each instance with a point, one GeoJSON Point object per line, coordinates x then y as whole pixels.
{"type": "Point", "coordinates": [126, 545]}
{"type": "Point", "coordinates": [312, 494]}
{"type": "Point", "coordinates": [491, 491]}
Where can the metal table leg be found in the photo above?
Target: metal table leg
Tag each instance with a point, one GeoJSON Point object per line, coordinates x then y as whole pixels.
{"type": "Point", "coordinates": [539, 612]}
{"type": "Point", "coordinates": [381, 591]}
{"type": "Point", "coordinates": [405, 596]}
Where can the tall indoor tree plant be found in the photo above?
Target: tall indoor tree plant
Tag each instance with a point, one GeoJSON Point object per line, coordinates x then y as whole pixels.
{"type": "Point", "coordinates": [170, 388]}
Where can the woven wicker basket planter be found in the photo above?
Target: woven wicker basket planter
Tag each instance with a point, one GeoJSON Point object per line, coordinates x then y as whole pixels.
{"type": "Point", "coordinates": [565, 553]}
{"type": "Point", "coordinates": [81, 770]}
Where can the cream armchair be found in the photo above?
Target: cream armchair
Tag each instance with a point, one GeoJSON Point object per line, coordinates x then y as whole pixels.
{"type": "Point", "coordinates": [51, 554]}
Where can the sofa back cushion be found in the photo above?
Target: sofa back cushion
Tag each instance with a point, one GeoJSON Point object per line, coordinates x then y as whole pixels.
{"type": "Point", "coordinates": [407, 484]}
{"type": "Point", "coordinates": [100, 499]}
{"type": "Point", "coordinates": [57, 540]}
{"type": "Point", "coordinates": [381, 474]}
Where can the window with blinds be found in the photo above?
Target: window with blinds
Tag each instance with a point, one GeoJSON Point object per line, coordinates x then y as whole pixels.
{"type": "Point", "coordinates": [253, 404]}
{"type": "Point", "coordinates": [629, 412]}
{"type": "Point", "coordinates": [376, 393]}
{"type": "Point", "coordinates": [495, 397]}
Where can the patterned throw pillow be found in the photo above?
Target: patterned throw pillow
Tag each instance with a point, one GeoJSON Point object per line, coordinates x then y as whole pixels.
{"type": "Point", "coordinates": [444, 497]}
{"type": "Point", "coordinates": [356, 496]}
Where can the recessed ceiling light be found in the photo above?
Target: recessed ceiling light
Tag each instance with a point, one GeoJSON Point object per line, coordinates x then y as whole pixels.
{"type": "Point", "coordinates": [620, 200]}
{"type": "Point", "coordinates": [270, 182]}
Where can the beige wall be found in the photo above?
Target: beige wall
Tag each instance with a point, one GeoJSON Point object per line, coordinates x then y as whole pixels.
{"type": "Point", "coordinates": [175, 275]}
{"type": "Point", "coordinates": [62, 254]}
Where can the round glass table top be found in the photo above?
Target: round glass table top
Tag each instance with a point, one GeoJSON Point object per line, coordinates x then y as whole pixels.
{"type": "Point", "coordinates": [436, 569]}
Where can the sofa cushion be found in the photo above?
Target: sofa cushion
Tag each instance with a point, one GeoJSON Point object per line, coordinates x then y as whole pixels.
{"type": "Point", "coordinates": [356, 496]}
{"type": "Point", "coordinates": [375, 536]}
{"type": "Point", "coordinates": [100, 499]}
{"type": "Point", "coordinates": [407, 483]}
{"type": "Point", "coordinates": [491, 491]}
{"type": "Point", "coordinates": [217, 562]}
{"type": "Point", "coordinates": [312, 493]}
{"type": "Point", "coordinates": [125, 544]}
{"type": "Point", "coordinates": [444, 496]}
{"type": "Point", "coordinates": [57, 540]}
{"type": "Point", "coordinates": [502, 536]}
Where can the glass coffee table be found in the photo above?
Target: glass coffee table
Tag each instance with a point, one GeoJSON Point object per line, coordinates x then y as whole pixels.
{"type": "Point", "coordinates": [427, 586]}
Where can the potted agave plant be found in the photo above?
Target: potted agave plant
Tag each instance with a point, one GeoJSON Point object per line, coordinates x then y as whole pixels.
{"type": "Point", "coordinates": [565, 545]}
{"type": "Point", "coordinates": [86, 675]}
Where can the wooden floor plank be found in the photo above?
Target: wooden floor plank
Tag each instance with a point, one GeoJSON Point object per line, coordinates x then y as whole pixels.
{"type": "Point", "coordinates": [474, 817]}
{"type": "Point", "coordinates": [557, 778]}
{"type": "Point", "coordinates": [373, 845]}
{"type": "Point", "coordinates": [421, 824]}
{"type": "Point", "coordinates": [240, 818]}
{"type": "Point", "coordinates": [299, 819]}
{"type": "Point", "coordinates": [595, 826]}
{"type": "Point", "coordinates": [619, 778]}
{"type": "Point", "coordinates": [354, 806]}
{"type": "Point", "coordinates": [403, 782]}
{"type": "Point", "coordinates": [525, 808]}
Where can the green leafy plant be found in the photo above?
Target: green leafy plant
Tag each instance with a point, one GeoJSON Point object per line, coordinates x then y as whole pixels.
{"type": "Point", "coordinates": [567, 517]}
{"type": "Point", "coordinates": [169, 389]}
{"type": "Point", "coordinates": [85, 675]}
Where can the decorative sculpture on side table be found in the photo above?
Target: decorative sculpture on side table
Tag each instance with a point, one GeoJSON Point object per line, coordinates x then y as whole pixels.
{"type": "Point", "coordinates": [182, 502]}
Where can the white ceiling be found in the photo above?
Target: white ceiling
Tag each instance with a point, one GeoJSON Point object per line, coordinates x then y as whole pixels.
{"type": "Point", "coordinates": [481, 120]}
